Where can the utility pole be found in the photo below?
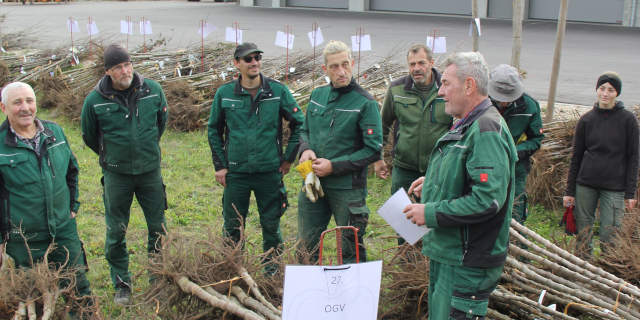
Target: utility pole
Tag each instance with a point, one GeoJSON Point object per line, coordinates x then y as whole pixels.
{"type": "Point", "coordinates": [474, 32]}
{"type": "Point", "coordinates": [516, 47]}
{"type": "Point", "coordinates": [557, 52]}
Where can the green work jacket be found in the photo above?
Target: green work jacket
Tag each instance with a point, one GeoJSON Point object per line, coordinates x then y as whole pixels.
{"type": "Point", "coordinates": [343, 125]}
{"type": "Point", "coordinates": [246, 134]}
{"type": "Point", "coordinates": [418, 123]}
{"type": "Point", "coordinates": [525, 124]}
{"type": "Point", "coordinates": [468, 192]}
{"type": "Point", "coordinates": [37, 193]}
{"type": "Point", "coordinates": [125, 130]}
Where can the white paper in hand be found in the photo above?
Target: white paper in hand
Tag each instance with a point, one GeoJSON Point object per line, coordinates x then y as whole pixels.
{"type": "Point", "coordinates": [206, 29]}
{"type": "Point", "coordinates": [92, 28]}
{"type": "Point", "coordinates": [391, 212]}
{"type": "Point", "coordinates": [126, 27]}
{"type": "Point", "coordinates": [440, 45]}
{"type": "Point", "coordinates": [282, 41]}
{"type": "Point", "coordinates": [344, 292]}
{"type": "Point", "coordinates": [72, 25]}
{"type": "Point", "coordinates": [145, 27]}
{"type": "Point", "coordinates": [318, 37]}
{"type": "Point", "coordinates": [233, 35]}
{"type": "Point", "coordinates": [361, 43]}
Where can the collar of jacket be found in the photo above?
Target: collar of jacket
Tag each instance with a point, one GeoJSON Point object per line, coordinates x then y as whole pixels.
{"type": "Point", "coordinates": [264, 85]}
{"type": "Point", "coordinates": [11, 139]}
{"type": "Point", "coordinates": [476, 112]}
{"type": "Point", "coordinates": [105, 85]}
{"type": "Point", "coordinates": [346, 89]}
{"type": "Point", "coordinates": [619, 105]}
{"type": "Point", "coordinates": [408, 81]}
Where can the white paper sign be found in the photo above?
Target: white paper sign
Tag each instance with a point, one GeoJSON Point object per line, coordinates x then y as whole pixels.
{"type": "Point", "coordinates": [284, 40]}
{"type": "Point", "coordinates": [318, 37]}
{"type": "Point", "coordinates": [206, 29]}
{"type": "Point", "coordinates": [391, 212]}
{"type": "Point", "coordinates": [344, 292]}
{"type": "Point", "coordinates": [145, 27]}
{"type": "Point", "coordinates": [361, 43]}
{"type": "Point", "coordinates": [440, 45]}
{"type": "Point", "coordinates": [92, 28]}
{"type": "Point", "coordinates": [72, 25]}
{"type": "Point", "coordinates": [233, 35]}
{"type": "Point", "coordinates": [126, 28]}
{"type": "Point", "coordinates": [475, 23]}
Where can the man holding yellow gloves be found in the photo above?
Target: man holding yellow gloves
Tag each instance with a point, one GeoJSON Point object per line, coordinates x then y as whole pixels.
{"type": "Point", "coordinates": [340, 137]}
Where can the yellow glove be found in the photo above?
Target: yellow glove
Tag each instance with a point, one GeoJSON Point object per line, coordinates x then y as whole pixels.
{"type": "Point", "coordinates": [304, 168]}
{"type": "Point", "coordinates": [523, 137]}
{"type": "Point", "coordinates": [312, 187]}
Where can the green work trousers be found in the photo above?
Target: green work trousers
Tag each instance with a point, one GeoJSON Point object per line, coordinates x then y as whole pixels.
{"type": "Point", "coordinates": [348, 208]}
{"type": "Point", "coordinates": [68, 249]}
{"type": "Point", "coordinates": [271, 199]}
{"type": "Point", "coordinates": [402, 178]}
{"type": "Point", "coordinates": [118, 196]}
{"type": "Point", "coordinates": [457, 292]}
{"type": "Point", "coordinates": [611, 214]}
{"type": "Point", "coordinates": [520, 199]}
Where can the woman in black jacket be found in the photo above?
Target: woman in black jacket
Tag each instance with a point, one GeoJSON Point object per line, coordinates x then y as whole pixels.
{"type": "Point", "coordinates": [604, 165]}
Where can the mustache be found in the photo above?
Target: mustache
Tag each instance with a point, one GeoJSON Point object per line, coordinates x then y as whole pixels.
{"type": "Point", "coordinates": [25, 113]}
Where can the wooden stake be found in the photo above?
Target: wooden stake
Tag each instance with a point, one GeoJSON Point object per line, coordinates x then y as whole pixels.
{"type": "Point", "coordinates": [518, 12]}
{"type": "Point", "coordinates": [314, 30]}
{"type": "Point", "coordinates": [557, 53]}
{"type": "Point", "coordinates": [474, 32]}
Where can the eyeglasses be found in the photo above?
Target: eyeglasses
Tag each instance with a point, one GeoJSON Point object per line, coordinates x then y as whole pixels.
{"type": "Point", "coordinates": [248, 59]}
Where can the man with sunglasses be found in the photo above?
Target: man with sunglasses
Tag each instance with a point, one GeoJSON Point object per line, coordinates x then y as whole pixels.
{"type": "Point", "coordinates": [123, 119]}
{"type": "Point", "coordinates": [245, 132]}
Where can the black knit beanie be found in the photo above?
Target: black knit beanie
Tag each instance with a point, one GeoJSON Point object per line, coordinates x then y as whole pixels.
{"type": "Point", "coordinates": [612, 78]}
{"type": "Point", "coordinates": [115, 55]}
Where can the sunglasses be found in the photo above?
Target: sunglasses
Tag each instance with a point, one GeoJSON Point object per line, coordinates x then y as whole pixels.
{"type": "Point", "coordinates": [248, 59]}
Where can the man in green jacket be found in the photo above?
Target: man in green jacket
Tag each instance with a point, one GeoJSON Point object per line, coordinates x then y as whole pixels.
{"type": "Point", "coordinates": [415, 114]}
{"type": "Point", "coordinates": [466, 196]}
{"type": "Point", "coordinates": [123, 119]}
{"type": "Point", "coordinates": [522, 114]}
{"type": "Point", "coordinates": [246, 140]}
{"type": "Point", "coordinates": [342, 136]}
{"type": "Point", "coordinates": [38, 189]}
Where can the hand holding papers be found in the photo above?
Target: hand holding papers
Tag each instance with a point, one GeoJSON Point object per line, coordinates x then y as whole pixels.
{"type": "Point", "coordinates": [391, 212]}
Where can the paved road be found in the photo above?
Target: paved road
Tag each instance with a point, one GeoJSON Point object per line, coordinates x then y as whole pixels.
{"type": "Point", "coordinates": [589, 49]}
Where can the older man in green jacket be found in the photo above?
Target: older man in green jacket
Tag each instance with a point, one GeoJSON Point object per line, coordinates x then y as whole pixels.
{"type": "Point", "coordinates": [342, 136]}
{"type": "Point", "coordinates": [123, 119]}
{"type": "Point", "coordinates": [38, 188]}
{"type": "Point", "coordinates": [466, 196]}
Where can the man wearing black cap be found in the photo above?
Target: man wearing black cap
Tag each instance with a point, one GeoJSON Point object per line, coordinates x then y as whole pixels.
{"type": "Point", "coordinates": [123, 119]}
{"type": "Point", "coordinates": [245, 136]}
{"type": "Point", "coordinates": [522, 114]}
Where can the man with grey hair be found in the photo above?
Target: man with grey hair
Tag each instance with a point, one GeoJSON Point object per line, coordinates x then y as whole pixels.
{"type": "Point", "coordinates": [466, 196]}
{"type": "Point", "coordinates": [415, 114]}
{"type": "Point", "coordinates": [340, 137]}
{"type": "Point", "coordinates": [38, 190]}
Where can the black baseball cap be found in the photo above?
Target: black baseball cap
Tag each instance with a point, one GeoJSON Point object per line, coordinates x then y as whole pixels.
{"type": "Point", "coordinates": [245, 49]}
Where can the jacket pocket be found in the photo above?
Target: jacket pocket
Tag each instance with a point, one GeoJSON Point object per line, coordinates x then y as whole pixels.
{"type": "Point", "coordinates": [438, 114]}
{"type": "Point", "coordinates": [233, 110]}
{"type": "Point", "coordinates": [404, 102]}
{"type": "Point", "coordinates": [16, 170]}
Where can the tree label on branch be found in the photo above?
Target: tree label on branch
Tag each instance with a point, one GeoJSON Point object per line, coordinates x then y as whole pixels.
{"type": "Point", "coordinates": [206, 29]}
{"type": "Point", "coordinates": [437, 44]}
{"type": "Point", "coordinates": [126, 27]}
{"type": "Point", "coordinates": [72, 25]}
{"type": "Point", "coordinates": [145, 27]}
{"type": "Point", "coordinates": [315, 37]}
{"type": "Point", "coordinates": [233, 35]}
{"type": "Point", "coordinates": [284, 40]}
{"type": "Point", "coordinates": [92, 28]}
{"type": "Point", "coordinates": [361, 42]}
{"type": "Point", "coordinates": [349, 291]}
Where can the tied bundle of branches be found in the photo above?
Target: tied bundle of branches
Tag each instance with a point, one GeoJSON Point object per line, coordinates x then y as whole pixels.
{"type": "Point", "coordinates": [198, 276]}
{"type": "Point", "coordinates": [27, 293]}
{"type": "Point", "coordinates": [186, 113]}
{"type": "Point", "coordinates": [548, 177]}
{"type": "Point", "coordinates": [407, 286]}
{"type": "Point", "coordinates": [622, 257]}
{"type": "Point", "coordinates": [577, 287]}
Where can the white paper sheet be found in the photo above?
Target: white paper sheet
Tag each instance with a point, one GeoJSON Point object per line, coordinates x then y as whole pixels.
{"type": "Point", "coordinates": [126, 28]}
{"type": "Point", "coordinates": [364, 43]}
{"type": "Point", "coordinates": [475, 23]}
{"type": "Point", "coordinates": [440, 45]}
{"type": "Point", "coordinates": [318, 37]}
{"type": "Point", "coordinates": [230, 35]}
{"type": "Point", "coordinates": [92, 28]}
{"type": "Point", "coordinates": [207, 29]}
{"type": "Point", "coordinates": [145, 27]}
{"type": "Point", "coordinates": [391, 212]}
{"type": "Point", "coordinates": [344, 292]}
{"type": "Point", "coordinates": [72, 25]}
{"type": "Point", "coordinates": [281, 40]}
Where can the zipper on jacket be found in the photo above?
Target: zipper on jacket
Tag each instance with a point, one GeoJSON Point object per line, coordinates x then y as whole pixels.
{"type": "Point", "coordinates": [465, 241]}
